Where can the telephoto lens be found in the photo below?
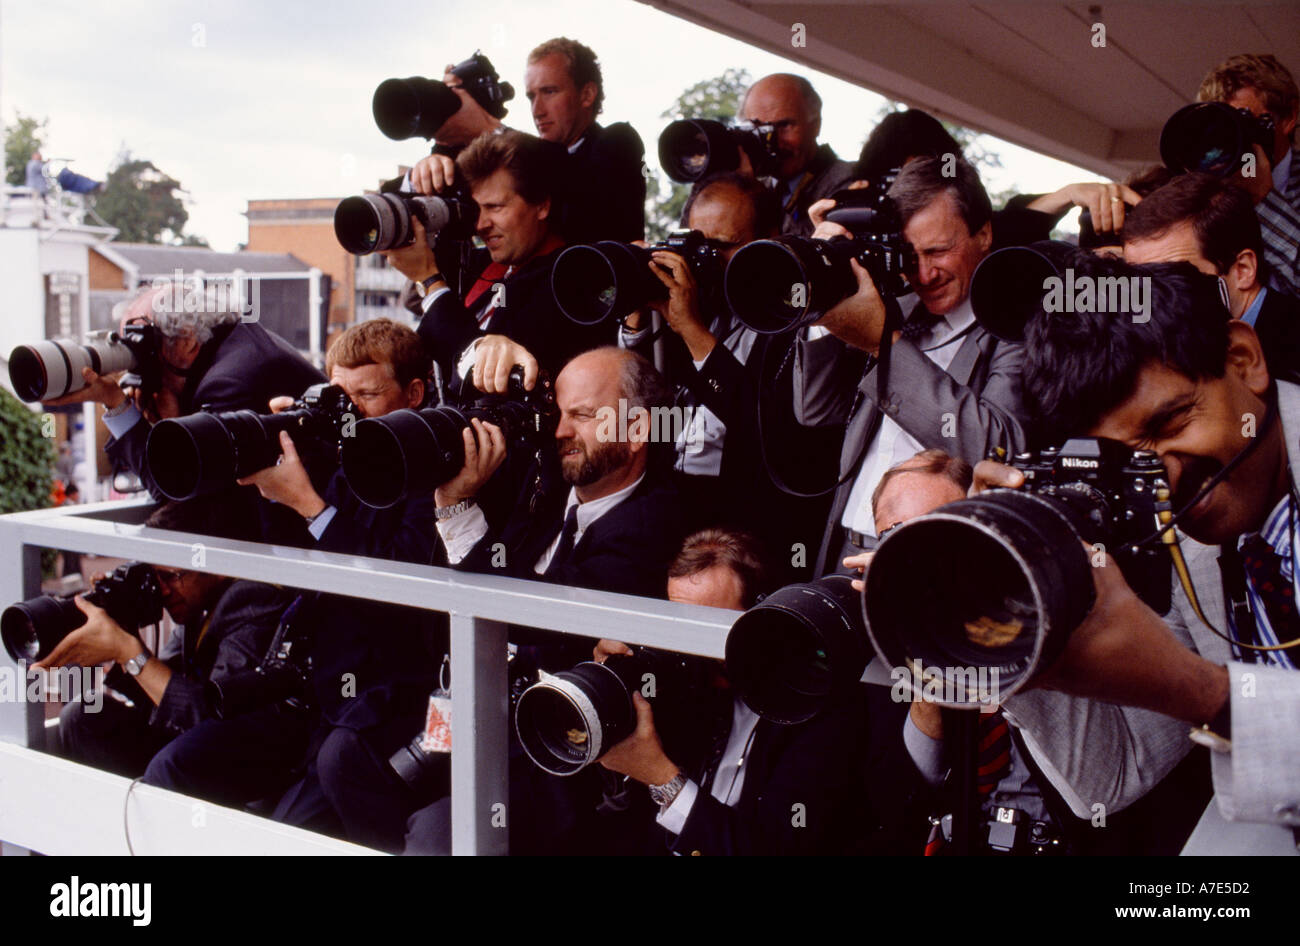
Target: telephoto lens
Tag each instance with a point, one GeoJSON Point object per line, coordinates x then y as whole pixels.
{"type": "Point", "coordinates": [48, 370]}
{"type": "Point", "coordinates": [414, 107]}
{"type": "Point", "coordinates": [798, 649]}
{"type": "Point", "coordinates": [690, 150]}
{"type": "Point", "coordinates": [568, 720]}
{"type": "Point", "coordinates": [130, 594]}
{"type": "Point", "coordinates": [372, 223]}
{"type": "Point", "coordinates": [1213, 137]}
{"type": "Point", "coordinates": [207, 452]}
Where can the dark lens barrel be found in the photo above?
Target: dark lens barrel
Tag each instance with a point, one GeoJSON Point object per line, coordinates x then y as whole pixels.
{"type": "Point", "coordinates": [997, 582]}
{"type": "Point", "coordinates": [372, 222]}
{"type": "Point", "coordinates": [690, 150]}
{"type": "Point", "coordinates": [29, 376]}
{"type": "Point", "coordinates": [593, 282]}
{"type": "Point", "coordinates": [407, 108]}
{"type": "Point", "coordinates": [204, 453]}
{"type": "Point", "coordinates": [32, 629]}
{"type": "Point", "coordinates": [1207, 136]}
{"type": "Point", "coordinates": [776, 286]}
{"type": "Point", "coordinates": [1008, 287]}
{"type": "Point", "coordinates": [794, 651]}
{"type": "Point", "coordinates": [403, 453]}
{"type": "Point", "coordinates": [569, 720]}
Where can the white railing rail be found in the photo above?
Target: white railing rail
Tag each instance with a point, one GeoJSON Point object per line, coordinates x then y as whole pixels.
{"type": "Point", "coordinates": [48, 791]}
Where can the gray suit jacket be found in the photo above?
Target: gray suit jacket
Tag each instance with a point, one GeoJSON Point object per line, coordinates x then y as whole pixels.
{"type": "Point", "coordinates": [1101, 753]}
{"type": "Point", "coordinates": [967, 410]}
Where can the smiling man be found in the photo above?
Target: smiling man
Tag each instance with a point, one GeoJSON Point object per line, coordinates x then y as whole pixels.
{"type": "Point", "coordinates": [1190, 383]}
{"type": "Point", "coordinates": [606, 181]}
{"type": "Point", "coordinates": [951, 385]}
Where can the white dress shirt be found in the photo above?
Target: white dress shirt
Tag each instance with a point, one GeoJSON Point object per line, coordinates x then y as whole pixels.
{"type": "Point", "coordinates": [729, 778]}
{"type": "Point", "coordinates": [892, 444]}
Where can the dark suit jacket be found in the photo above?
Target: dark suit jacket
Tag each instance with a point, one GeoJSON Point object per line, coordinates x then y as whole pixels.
{"type": "Point", "coordinates": [528, 315]}
{"type": "Point", "coordinates": [1278, 328]}
{"type": "Point", "coordinates": [241, 368]}
{"type": "Point", "coordinates": [392, 652]}
{"type": "Point", "coordinates": [606, 187]}
{"type": "Point", "coordinates": [980, 390]}
{"type": "Point", "coordinates": [627, 550]}
{"type": "Point", "coordinates": [848, 770]}
{"type": "Point", "coordinates": [828, 174]}
{"type": "Point", "coordinates": [239, 630]}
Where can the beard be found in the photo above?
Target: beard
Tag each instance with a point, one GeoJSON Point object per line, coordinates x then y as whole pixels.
{"type": "Point", "coordinates": [590, 465]}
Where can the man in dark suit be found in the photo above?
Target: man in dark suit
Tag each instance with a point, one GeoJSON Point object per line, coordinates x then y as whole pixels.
{"type": "Point", "coordinates": [950, 384]}
{"type": "Point", "coordinates": [721, 370]}
{"type": "Point", "coordinates": [373, 664]}
{"type": "Point", "coordinates": [225, 627]}
{"type": "Point", "coordinates": [209, 359]}
{"type": "Point", "coordinates": [765, 788]}
{"type": "Point", "coordinates": [606, 183]}
{"type": "Point", "coordinates": [609, 522]}
{"type": "Point", "coordinates": [1203, 220]}
{"type": "Point", "coordinates": [508, 313]}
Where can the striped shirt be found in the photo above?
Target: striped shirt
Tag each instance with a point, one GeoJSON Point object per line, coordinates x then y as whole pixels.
{"type": "Point", "coordinates": [1281, 531]}
{"type": "Point", "coordinates": [1279, 226]}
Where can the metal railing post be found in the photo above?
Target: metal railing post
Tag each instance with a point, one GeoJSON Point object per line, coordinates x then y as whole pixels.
{"type": "Point", "coordinates": [479, 736]}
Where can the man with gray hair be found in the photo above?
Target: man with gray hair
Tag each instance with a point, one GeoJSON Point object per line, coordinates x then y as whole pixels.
{"type": "Point", "coordinates": [206, 359]}
{"type": "Point", "coordinates": [806, 171]}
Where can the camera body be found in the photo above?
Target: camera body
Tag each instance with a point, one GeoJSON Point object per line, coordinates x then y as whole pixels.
{"type": "Point", "coordinates": [418, 107]}
{"type": "Point", "coordinates": [372, 223]}
{"type": "Point", "coordinates": [1112, 496]}
{"type": "Point", "coordinates": [692, 149]}
{"type": "Point", "coordinates": [783, 284]}
{"type": "Point", "coordinates": [479, 78]}
{"type": "Point", "coordinates": [208, 451]}
{"type": "Point", "coordinates": [130, 594]}
{"type": "Point", "coordinates": [413, 451]}
{"type": "Point", "coordinates": [595, 281]}
{"type": "Point", "coordinates": [282, 677]}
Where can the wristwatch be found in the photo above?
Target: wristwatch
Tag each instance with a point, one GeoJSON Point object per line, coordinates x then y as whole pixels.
{"type": "Point", "coordinates": [423, 286]}
{"type": "Point", "coordinates": [136, 663]}
{"type": "Point", "coordinates": [447, 512]}
{"type": "Point", "coordinates": [663, 795]}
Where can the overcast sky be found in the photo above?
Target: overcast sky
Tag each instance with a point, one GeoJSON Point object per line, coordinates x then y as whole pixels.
{"type": "Point", "coordinates": [243, 100]}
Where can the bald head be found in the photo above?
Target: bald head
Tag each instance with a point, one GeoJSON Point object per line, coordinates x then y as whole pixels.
{"type": "Point", "coordinates": [789, 102]}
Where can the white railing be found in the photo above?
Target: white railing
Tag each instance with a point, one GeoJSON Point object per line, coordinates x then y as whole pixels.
{"type": "Point", "coordinates": [54, 806]}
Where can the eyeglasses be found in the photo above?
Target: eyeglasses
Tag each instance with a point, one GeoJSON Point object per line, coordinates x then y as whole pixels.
{"type": "Point", "coordinates": [168, 576]}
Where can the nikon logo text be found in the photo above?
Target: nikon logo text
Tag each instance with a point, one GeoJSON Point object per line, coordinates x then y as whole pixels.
{"type": "Point", "coordinates": [1101, 294]}
{"type": "Point", "coordinates": [78, 899]}
{"type": "Point", "coordinates": [1075, 463]}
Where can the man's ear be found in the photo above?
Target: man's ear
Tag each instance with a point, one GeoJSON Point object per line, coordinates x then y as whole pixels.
{"type": "Point", "coordinates": [415, 392]}
{"type": "Point", "coordinates": [1246, 357]}
{"type": "Point", "coordinates": [638, 429]}
{"type": "Point", "coordinates": [587, 95]}
{"type": "Point", "coordinates": [984, 237]}
{"type": "Point", "coordinates": [1244, 271]}
{"type": "Point", "coordinates": [544, 209]}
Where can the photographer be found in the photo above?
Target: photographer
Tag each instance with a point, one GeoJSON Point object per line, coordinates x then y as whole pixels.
{"type": "Point", "coordinates": [951, 385]}
{"type": "Point", "coordinates": [605, 196]}
{"type": "Point", "coordinates": [372, 663]}
{"type": "Point", "coordinates": [615, 527]}
{"type": "Point", "coordinates": [1192, 384]}
{"type": "Point", "coordinates": [715, 364]}
{"type": "Point", "coordinates": [1262, 85]}
{"type": "Point", "coordinates": [207, 359]}
{"type": "Point", "coordinates": [1203, 220]}
{"type": "Point", "coordinates": [807, 171]}
{"type": "Point", "coordinates": [741, 798]}
{"type": "Point", "coordinates": [225, 629]}
{"type": "Point", "coordinates": [508, 313]}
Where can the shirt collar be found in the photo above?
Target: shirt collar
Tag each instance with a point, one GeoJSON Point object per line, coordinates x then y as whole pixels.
{"type": "Point", "coordinates": [589, 512]}
{"type": "Point", "coordinates": [1252, 311]}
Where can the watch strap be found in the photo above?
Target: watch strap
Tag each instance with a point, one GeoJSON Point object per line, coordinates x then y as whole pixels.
{"type": "Point", "coordinates": [664, 795]}
{"type": "Point", "coordinates": [135, 665]}
{"type": "Point", "coordinates": [448, 512]}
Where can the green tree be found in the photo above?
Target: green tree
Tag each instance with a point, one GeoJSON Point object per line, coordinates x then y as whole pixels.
{"type": "Point", "coordinates": [23, 137]}
{"type": "Point", "coordinates": [140, 200]}
{"type": "Point", "coordinates": [26, 458]}
{"type": "Point", "coordinates": [718, 99]}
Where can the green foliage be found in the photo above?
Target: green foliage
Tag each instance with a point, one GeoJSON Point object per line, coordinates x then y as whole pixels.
{"type": "Point", "coordinates": [718, 99]}
{"type": "Point", "coordinates": [26, 458]}
{"type": "Point", "coordinates": [23, 137]}
{"type": "Point", "coordinates": [141, 202]}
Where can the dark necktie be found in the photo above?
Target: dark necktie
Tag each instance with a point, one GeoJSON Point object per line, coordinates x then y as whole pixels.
{"type": "Point", "coordinates": [919, 324]}
{"type": "Point", "coordinates": [1263, 566]}
{"type": "Point", "coordinates": [564, 550]}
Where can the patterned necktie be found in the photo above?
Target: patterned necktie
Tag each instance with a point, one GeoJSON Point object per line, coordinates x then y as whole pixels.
{"type": "Point", "coordinates": [1263, 566]}
{"type": "Point", "coordinates": [994, 752]}
{"type": "Point", "coordinates": [919, 324]}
